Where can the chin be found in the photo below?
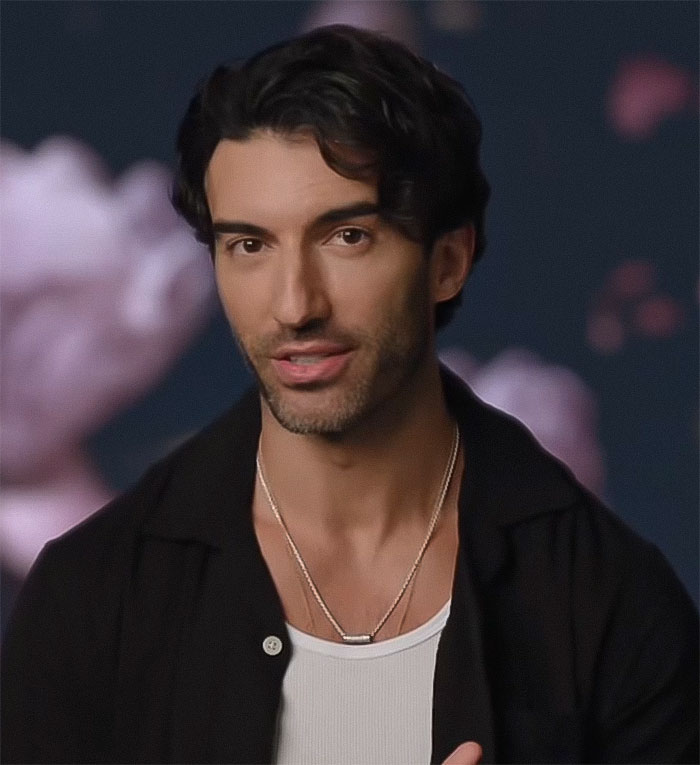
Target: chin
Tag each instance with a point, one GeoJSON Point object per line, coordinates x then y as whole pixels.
{"type": "Point", "coordinates": [372, 386]}
{"type": "Point", "coordinates": [323, 415]}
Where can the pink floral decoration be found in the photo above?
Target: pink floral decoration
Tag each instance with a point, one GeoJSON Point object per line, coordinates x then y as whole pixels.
{"type": "Point", "coordinates": [552, 401]}
{"type": "Point", "coordinates": [394, 18]}
{"type": "Point", "coordinates": [645, 91]}
{"type": "Point", "coordinates": [102, 288]}
{"type": "Point", "coordinates": [630, 304]}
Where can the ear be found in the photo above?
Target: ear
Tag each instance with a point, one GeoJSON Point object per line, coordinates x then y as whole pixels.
{"type": "Point", "coordinates": [451, 261]}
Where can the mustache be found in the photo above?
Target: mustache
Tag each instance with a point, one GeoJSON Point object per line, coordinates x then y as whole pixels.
{"type": "Point", "coordinates": [316, 331]}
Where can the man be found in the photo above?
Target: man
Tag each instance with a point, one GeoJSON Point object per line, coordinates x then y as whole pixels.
{"type": "Point", "coordinates": [360, 562]}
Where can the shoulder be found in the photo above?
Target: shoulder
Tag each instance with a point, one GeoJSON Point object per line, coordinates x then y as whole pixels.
{"type": "Point", "coordinates": [582, 614]}
{"type": "Point", "coordinates": [107, 536]}
{"type": "Point", "coordinates": [558, 542]}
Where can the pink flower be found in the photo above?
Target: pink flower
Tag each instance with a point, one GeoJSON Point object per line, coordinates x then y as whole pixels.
{"type": "Point", "coordinates": [629, 304]}
{"type": "Point", "coordinates": [552, 401]}
{"type": "Point", "coordinates": [102, 288]}
{"type": "Point", "coordinates": [644, 92]}
{"type": "Point", "coordinates": [393, 18]}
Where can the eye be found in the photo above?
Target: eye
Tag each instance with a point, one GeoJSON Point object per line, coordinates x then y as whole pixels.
{"type": "Point", "coordinates": [247, 246]}
{"type": "Point", "coordinates": [350, 237]}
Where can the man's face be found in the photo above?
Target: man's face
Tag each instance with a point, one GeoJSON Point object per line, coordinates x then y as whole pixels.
{"type": "Point", "coordinates": [330, 305]}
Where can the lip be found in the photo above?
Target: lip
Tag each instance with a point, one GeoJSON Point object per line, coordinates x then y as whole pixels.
{"type": "Point", "coordinates": [327, 365]}
{"type": "Point", "coordinates": [312, 348]}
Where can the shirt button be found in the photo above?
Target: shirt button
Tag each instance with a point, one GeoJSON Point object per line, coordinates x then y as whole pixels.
{"type": "Point", "coordinates": [272, 645]}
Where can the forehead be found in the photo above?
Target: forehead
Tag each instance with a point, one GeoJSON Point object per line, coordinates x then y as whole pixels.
{"type": "Point", "coordinates": [277, 177]}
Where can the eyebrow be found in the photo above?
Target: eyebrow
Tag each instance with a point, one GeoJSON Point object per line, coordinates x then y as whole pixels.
{"type": "Point", "coordinates": [335, 215]}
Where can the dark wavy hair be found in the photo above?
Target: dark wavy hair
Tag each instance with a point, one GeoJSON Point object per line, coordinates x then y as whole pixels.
{"type": "Point", "coordinates": [408, 126]}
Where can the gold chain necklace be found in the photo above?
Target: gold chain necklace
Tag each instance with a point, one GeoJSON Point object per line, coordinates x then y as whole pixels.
{"type": "Point", "coordinates": [369, 637]}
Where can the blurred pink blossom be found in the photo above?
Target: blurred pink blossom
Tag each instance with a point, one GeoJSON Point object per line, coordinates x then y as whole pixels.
{"type": "Point", "coordinates": [631, 279]}
{"type": "Point", "coordinates": [658, 316]}
{"type": "Point", "coordinates": [394, 18]}
{"type": "Point", "coordinates": [552, 401]}
{"type": "Point", "coordinates": [629, 304]}
{"type": "Point", "coordinates": [461, 16]}
{"type": "Point", "coordinates": [102, 287]}
{"type": "Point", "coordinates": [605, 332]}
{"type": "Point", "coordinates": [644, 92]}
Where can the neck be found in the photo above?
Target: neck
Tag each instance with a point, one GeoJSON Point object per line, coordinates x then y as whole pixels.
{"type": "Point", "coordinates": [383, 473]}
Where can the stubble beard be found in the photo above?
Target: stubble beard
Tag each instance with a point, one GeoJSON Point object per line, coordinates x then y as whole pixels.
{"type": "Point", "coordinates": [389, 362]}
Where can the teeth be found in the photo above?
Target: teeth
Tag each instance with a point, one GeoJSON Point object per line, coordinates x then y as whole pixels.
{"type": "Point", "coordinates": [306, 359]}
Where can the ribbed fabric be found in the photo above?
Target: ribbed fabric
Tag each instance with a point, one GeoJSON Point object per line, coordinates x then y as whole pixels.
{"type": "Point", "coordinates": [359, 704]}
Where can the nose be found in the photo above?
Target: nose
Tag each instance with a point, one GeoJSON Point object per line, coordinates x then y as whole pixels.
{"type": "Point", "coordinates": [300, 295]}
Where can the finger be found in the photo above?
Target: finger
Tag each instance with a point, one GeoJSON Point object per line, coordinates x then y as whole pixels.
{"type": "Point", "coordinates": [468, 753]}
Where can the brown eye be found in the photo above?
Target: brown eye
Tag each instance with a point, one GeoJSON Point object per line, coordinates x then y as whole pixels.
{"type": "Point", "coordinates": [247, 246]}
{"type": "Point", "coordinates": [251, 245]}
{"type": "Point", "coordinates": [350, 236]}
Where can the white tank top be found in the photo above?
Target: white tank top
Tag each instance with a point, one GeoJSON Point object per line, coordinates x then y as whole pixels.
{"type": "Point", "coordinates": [359, 704]}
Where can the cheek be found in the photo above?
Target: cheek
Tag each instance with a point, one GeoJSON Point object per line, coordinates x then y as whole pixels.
{"type": "Point", "coordinates": [241, 299]}
{"type": "Point", "coordinates": [389, 286]}
{"type": "Point", "coordinates": [404, 297]}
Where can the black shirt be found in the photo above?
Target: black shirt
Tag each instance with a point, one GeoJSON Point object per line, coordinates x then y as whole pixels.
{"type": "Point", "coordinates": [138, 636]}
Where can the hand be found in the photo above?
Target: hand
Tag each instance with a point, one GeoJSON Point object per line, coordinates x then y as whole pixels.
{"type": "Point", "coordinates": [468, 753]}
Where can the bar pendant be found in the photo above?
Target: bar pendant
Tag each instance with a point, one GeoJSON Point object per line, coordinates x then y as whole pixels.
{"type": "Point", "coordinates": [357, 639]}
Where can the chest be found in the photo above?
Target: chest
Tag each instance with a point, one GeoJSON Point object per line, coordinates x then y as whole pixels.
{"type": "Point", "coordinates": [195, 683]}
{"type": "Point", "coordinates": [360, 591]}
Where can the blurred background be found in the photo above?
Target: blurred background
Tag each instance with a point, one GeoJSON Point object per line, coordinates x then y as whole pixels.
{"type": "Point", "coordinates": [581, 319]}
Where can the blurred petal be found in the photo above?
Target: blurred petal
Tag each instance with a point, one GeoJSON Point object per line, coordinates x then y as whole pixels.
{"type": "Point", "coordinates": [103, 286]}
{"type": "Point", "coordinates": [644, 92]}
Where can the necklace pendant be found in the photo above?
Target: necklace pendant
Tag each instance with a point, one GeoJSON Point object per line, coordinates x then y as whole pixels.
{"type": "Point", "coordinates": [357, 639]}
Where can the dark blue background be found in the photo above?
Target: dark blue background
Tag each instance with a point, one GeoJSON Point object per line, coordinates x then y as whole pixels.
{"type": "Point", "coordinates": [570, 201]}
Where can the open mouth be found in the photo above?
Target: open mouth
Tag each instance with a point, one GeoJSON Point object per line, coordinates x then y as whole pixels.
{"type": "Point", "coordinates": [307, 360]}
{"type": "Point", "coordinates": [305, 368]}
